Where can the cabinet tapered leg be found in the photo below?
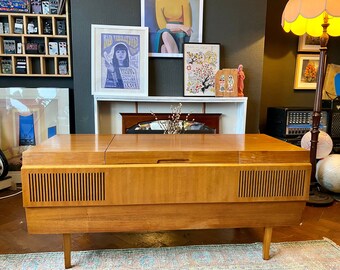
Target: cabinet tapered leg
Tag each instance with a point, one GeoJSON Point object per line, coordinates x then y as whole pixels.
{"type": "Point", "coordinates": [67, 250]}
{"type": "Point", "coordinates": [266, 242]}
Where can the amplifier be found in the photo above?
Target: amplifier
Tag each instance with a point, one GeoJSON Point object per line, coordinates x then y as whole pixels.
{"type": "Point", "coordinates": [292, 122]}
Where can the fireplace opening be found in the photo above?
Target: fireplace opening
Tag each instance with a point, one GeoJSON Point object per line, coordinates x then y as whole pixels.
{"type": "Point", "coordinates": [145, 123]}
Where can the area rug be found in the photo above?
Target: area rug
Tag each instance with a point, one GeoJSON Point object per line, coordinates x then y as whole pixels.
{"type": "Point", "coordinates": [306, 255]}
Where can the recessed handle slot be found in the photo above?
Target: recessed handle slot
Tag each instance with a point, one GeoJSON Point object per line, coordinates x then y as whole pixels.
{"type": "Point", "coordinates": [183, 160]}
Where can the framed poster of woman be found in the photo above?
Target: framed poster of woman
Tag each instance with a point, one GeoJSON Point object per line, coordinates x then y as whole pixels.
{"type": "Point", "coordinates": [119, 60]}
{"type": "Point", "coordinates": [171, 24]}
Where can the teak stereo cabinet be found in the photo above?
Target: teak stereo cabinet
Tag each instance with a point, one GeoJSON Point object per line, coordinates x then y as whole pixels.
{"type": "Point", "coordinates": [132, 183]}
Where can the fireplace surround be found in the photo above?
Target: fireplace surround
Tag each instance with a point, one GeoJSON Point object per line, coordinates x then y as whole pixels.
{"type": "Point", "coordinates": [108, 111]}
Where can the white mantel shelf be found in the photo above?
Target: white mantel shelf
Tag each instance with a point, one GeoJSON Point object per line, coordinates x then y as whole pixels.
{"type": "Point", "coordinates": [108, 120]}
{"type": "Point", "coordinates": [174, 99]}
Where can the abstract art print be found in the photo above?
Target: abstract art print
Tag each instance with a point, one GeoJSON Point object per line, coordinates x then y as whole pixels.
{"type": "Point", "coordinates": [119, 60]}
{"type": "Point", "coordinates": [201, 62]}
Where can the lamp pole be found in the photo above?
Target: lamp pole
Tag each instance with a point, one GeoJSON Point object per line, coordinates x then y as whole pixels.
{"type": "Point", "coordinates": [318, 97]}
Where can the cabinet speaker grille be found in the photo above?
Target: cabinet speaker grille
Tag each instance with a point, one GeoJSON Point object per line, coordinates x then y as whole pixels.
{"type": "Point", "coordinates": [66, 187]}
{"type": "Point", "coordinates": [277, 183]}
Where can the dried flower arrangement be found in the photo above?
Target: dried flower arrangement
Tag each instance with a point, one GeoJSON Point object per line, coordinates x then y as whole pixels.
{"type": "Point", "coordinates": [174, 125]}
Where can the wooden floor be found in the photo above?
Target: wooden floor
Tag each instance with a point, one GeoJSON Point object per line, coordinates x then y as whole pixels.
{"type": "Point", "coordinates": [317, 222]}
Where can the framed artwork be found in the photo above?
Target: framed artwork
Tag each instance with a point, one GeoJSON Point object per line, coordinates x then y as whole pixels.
{"type": "Point", "coordinates": [119, 60]}
{"type": "Point", "coordinates": [28, 116]}
{"type": "Point", "coordinates": [201, 62]}
{"type": "Point", "coordinates": [226, 82]}
{"type": "Point", "coordinates": [331, 86]}
{"type": "Point", "coordinates": [308, 43]}
{"type": "Point", "coordinates": [306, 71]}
{"type": "Point", "coordinates": [171, 24]}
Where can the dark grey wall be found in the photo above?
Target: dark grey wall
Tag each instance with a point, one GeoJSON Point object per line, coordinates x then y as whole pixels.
{"type": "Point", "coordinates": [279, 65]}
{"type": "Point", "coordinates": [239, 30]}
{"type": "Point", "coordinates": [249, 31]}
{"type": "Point", "coordinates": [239, 25]}
{"type": "Point", "coordinates": [232, 23]}
{"type": "Point", "coordinates": [84, 13]}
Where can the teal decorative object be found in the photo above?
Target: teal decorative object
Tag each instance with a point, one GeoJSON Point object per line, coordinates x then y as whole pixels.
{"type": "Point", "coordinates": [337, 84]}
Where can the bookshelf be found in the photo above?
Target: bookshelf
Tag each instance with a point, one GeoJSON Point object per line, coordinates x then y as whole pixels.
{"type": "Point", "coordinates": [35, 45]}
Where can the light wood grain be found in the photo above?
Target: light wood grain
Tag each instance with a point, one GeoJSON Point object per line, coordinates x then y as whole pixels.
{"type": "Point", "coordinates": [138, 218]}
{"type": "Point", "coordinates": [67, 250]}
{"type": "Point", "coordinates": [125, 183]}
{"type": "Point", "coordinates": [266, 242]}
{"type": "Point", "coordinates": [69, 150]}
{"type": "Point", "coordinates": [129, 184]}
{"type": "Point", "coordinates": [198, 148]}
{"type": "Point", "coordinates": [151, 148]}
{"type": "Point", "coordinates": [316, 223]}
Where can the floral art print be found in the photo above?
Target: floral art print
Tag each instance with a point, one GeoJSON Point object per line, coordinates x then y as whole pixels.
{"type": "Point", "coordinates": [201, 62]}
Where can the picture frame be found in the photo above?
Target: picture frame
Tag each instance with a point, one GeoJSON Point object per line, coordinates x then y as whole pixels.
{"type": "Point", "coordinates": [166, 38]}
{"type": "Point", "coordinates": [119, 56]}
{"type": "Point", "coordinates": [308, 43]}
{"type": "Point", "coordinates": [306, 71]}
{"type": "Point", "coordinates": [29, 116]}
{"type": "Point", "coordinates": [331, 86]}
{"type": "Point", "coordinates": [201, 62]}
{"type": "Point", "coordinates": [226, 82]}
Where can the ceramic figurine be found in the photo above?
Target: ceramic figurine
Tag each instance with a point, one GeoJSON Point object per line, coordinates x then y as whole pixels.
{"type": "Point", "coordinates": [241, 77]}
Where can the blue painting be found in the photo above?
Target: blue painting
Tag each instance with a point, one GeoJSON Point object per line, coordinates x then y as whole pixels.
{"type": "Point", "coordinates": [337, 84]}
{"type": "Point", "coordinates": [26, 130]}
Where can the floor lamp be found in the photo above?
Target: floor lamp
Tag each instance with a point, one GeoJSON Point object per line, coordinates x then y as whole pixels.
{"type": "Point", "coordinates": [318, 18]}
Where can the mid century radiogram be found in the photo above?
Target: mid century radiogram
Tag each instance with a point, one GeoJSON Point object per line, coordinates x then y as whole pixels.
{"type": "Point", "coordinates": [138, 182]}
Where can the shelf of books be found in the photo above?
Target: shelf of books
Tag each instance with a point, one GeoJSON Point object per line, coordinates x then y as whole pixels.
{"type": "Point", "coordinates": [35, 38]}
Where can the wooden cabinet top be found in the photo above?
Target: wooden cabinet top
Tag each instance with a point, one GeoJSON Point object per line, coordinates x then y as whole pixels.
{"type": "Point", "coordinates": [162, 148]}
{"type": "Point", "coordinates": [69, 150]}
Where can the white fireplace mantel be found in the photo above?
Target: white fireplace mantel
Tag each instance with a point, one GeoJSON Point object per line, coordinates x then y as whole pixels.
{"type": "Point", "coordinates": [109, 121]}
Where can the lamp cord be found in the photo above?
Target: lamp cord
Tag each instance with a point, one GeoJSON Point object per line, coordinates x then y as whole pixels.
{"type": "Point", "coordinates": [12, 195]}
